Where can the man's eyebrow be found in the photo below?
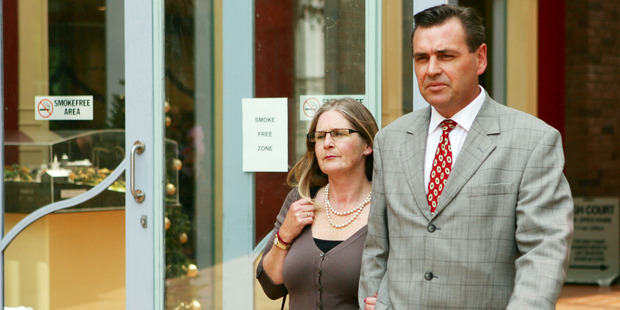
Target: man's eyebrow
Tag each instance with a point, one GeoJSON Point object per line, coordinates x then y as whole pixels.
{"type": "Point", "coordinates": [445, 51]}
{"type": "Point", "coordinates": [441, 51]}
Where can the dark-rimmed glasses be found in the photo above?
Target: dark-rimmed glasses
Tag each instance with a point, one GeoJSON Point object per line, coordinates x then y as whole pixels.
{"type": "Point", "coordinates": [337, 135]}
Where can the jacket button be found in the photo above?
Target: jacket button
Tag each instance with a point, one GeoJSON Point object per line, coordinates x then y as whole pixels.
{"type": "Point", "coordinates": [431, 228]}
{"type": "Point", "coordinates": [428, 276]}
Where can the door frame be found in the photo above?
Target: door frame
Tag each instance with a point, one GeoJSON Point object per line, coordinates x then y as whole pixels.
{"type": "Point", "coordinates": [144, 121]}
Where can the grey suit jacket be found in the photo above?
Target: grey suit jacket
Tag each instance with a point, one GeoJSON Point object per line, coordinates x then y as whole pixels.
{"type": "Point", "coordinates": [501, 234]}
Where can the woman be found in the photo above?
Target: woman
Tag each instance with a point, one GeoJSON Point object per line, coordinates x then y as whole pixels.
{"type": "Point", "coordinates": [319, 234]}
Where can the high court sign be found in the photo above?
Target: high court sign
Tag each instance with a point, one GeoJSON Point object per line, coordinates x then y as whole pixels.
{"type": "Point", "coordinates": [594, 253]}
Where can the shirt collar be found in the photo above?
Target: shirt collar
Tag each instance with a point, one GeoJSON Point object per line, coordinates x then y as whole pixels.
{"type": "Point", "coordinates": [464, 118]}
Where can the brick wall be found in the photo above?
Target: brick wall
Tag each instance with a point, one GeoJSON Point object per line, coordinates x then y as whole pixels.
{"type": "Point", "coordinates": [592, 133]}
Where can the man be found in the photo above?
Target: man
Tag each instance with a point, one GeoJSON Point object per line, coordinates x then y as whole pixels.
{"type": "Point", "coordinates": [498, 235]}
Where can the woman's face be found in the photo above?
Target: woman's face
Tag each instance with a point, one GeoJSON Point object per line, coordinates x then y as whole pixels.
{"type": "Point", "coordinates": [344, 155]}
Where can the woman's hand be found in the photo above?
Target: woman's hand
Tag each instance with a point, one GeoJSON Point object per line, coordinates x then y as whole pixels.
{"type": "Point", "coordinates": [300, 214]}
{"type": "Point", "coordinates": [370, 302]}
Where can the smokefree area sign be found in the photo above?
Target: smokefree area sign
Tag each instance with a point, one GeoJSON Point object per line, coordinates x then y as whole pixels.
{"type": "Point", "coordinates": [63, 108]}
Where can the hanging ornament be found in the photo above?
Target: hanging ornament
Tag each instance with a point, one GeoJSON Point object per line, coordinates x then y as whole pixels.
{"type": "Point", "coordinates": [168, 121]}
{"type": "Point", "coordinates": [177, 164]}
{"type": "Point", "coordinates": [196, 305]}
{"type": "Point", "coordinates": [183, 238]}
{"type": "Point", "coordinates": [167, 223]}
{"type": "Point", "coordinates": [166, 106]}
{"type": "Point", "coordinates": [170, 189]}
{"type": "Point", "coordinates": [192, 270]}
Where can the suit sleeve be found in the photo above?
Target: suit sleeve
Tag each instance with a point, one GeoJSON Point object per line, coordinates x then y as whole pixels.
{"type": "Point", "coordinates": [272, 290]}
{"type": "Point", "coordinates": [376, 247]}
{"type": "Point", "coordinates": [544, 227]}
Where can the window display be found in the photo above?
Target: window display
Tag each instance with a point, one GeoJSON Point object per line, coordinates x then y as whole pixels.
{"type": "Point", "coordinates": [65, 164]}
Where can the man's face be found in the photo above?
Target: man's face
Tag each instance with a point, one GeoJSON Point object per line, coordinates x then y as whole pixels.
{"type": "Point", "coordinates": [447, 72]}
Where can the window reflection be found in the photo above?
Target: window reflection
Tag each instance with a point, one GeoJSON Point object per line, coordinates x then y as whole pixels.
{"type": "Point", "coordinates": [190, 238]}
{"type": "Point", "coordinates": [329, 54]}
{"type": "Point", "coordinates": [303, 48]}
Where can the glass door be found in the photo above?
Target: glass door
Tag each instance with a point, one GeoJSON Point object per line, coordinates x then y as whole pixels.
{"type": "Point", "coordinates": [82, 217]}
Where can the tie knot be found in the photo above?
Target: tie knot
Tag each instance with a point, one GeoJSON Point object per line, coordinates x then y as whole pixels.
{"type": "Point", "coordinates": [448, 125]}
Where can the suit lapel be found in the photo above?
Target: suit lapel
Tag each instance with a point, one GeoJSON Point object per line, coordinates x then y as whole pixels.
{"type": "Point", "coordinates": [477, 147]}
{"type": "Point", "coordinates": [412, 152]}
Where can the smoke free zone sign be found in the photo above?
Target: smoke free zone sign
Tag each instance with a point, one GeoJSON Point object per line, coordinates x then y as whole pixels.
{"type": "Point", "coordinates": [63, 108]}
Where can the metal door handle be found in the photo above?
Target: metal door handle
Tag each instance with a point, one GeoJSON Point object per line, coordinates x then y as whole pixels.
{"type": "Point", "coordinates": [138, 147]}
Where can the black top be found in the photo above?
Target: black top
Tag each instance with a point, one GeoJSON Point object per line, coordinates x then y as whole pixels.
{"type": "Point", "coordinates": [326, 245]}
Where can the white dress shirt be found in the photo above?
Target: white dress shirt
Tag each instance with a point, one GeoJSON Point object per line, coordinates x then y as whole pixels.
{"type": "Point", "coordinates": [464, 118]}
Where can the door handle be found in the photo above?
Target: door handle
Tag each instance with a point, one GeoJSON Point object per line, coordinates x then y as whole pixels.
{"type": "Point", "coordinates": [138, 147]}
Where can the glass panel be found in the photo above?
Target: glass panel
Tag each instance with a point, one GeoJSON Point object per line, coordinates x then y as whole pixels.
{"type": "Point", "coordinates": [55, 150]}
{"type": "Point", "coordinates": [301, 48]}
{"type": "Point", "coordinates": [319, 47]}
{"type": "Point", "coordinates": [72, 260]}
{"type": "Point", "coordinates": [190, 241]}
{"type": "Point", "coordinates": [329, 54]}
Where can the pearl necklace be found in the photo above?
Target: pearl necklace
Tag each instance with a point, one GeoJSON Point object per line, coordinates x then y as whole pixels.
{"type": "Point", "coordinates": [357, 210]}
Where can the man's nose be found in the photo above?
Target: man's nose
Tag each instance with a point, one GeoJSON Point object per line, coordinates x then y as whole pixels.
{"type": "Point", "coordinates": [434, 67]}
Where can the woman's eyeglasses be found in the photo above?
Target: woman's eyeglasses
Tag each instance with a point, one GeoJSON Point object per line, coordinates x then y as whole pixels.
{"type": "Point", "coordinates": [337, 135]}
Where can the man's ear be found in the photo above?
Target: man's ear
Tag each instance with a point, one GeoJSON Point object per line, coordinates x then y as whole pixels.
{"type": "Point", "coordinates": [481, 56]}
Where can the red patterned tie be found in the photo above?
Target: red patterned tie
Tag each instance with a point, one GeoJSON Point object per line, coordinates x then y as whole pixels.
{"type": "Point", "coordinates": [442, 165]}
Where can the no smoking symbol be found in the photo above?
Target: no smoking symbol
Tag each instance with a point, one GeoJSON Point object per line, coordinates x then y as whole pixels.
{"type": "Point", "coordinates": [311, 105]}
{"type": "Point", "coordinates": [45, 108]}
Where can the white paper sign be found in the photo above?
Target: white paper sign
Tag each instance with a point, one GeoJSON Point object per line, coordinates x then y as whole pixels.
{"type": "Point", "coordinates": [63, 108]}
{"type": "Point", "coordinates": [265, 135]}
{"type": "Point", "coordinates": [594, 252]}
{"type": "Point", "coordinates": [311, 103]}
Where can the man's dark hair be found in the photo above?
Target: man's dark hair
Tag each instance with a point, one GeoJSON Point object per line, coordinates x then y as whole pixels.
{"type": "Point", "coordinates": [437, 15]}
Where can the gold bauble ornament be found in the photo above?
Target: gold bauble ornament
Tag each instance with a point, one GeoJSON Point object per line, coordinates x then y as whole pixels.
{"type": "Point", "coordinates": [170, 189]}
{"type": "Point", "coordinates": [166, 106]}
{"type": "Point", "coordinates": [196, 305]}
{"type": "Point", "coordinates": [183, 237]}
{"type": "Point", "coordinates": [168, 121]}
{"type": "Point", "coordinates": [192, 270]}
{"type": "Point", "coordinates": [167, 223]}
{"type": "Point", "coordinates": [177, 164]}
